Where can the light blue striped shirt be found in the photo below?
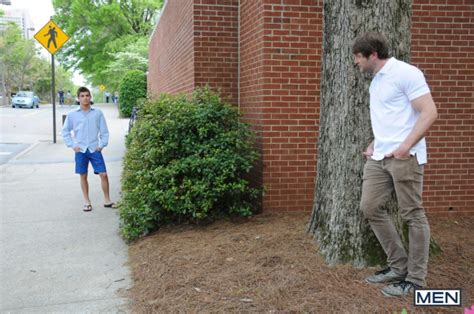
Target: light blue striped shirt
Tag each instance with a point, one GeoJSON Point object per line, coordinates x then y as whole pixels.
{"type": "Point", "coordinates": [88, 130]}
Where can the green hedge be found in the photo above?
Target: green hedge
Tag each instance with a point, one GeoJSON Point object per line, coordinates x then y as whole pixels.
{"type": "Point", "coordinates": [185, 161]}
{"type": "Point", "coordinates": [132, 88]}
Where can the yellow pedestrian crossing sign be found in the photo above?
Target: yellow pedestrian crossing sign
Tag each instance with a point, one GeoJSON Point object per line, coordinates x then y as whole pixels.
{"type": "Point", "coordinates": [51, 37]}
{"type": "Point", "coordinates": [102, 88]}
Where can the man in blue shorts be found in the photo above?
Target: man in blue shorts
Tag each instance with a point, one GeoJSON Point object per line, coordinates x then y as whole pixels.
{"type": "Point", "coordinates": [85, 131]}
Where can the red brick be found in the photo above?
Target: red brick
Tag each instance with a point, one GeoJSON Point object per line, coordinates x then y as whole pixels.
{"type": "Point", "coordinates": [280, 61]}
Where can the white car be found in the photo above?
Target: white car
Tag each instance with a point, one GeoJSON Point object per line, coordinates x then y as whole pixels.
{"type": "Point", "coordinates": [25, 99]}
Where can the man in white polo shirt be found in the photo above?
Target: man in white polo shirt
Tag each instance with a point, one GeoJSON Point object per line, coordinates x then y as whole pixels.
{"type": "Point", "coordinates": [401, 110]}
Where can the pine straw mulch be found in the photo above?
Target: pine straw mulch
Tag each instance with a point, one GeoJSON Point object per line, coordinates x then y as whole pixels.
{"type": "Point", "coordinates": [269, 263]}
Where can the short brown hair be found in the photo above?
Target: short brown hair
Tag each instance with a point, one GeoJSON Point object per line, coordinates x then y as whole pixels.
{"type": "Point", "coordinates": [83, 90]}
{"type": "Point", "coordinates": [369, 43]}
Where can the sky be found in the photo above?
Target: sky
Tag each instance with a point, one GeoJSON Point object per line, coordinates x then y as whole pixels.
{"type": "Point", "coordinates": [40, 12]}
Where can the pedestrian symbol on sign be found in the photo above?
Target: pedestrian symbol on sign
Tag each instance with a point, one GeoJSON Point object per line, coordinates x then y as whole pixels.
{"type": "Point", "coordinates": [52, 33]}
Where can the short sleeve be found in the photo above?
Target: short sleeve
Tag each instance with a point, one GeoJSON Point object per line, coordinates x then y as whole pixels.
{"type": "Point", "coordinates": [414, 83]}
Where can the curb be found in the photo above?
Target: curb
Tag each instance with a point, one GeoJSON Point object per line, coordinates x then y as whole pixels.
{"type": "Point", "coordinates": [24, 152]}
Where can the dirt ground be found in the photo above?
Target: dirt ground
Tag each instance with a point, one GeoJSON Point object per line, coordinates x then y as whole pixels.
{"type": "Point", "coordinates": [269, 263]}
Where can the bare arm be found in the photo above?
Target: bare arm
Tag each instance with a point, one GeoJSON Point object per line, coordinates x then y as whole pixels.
{"type": "Point", "coordinates": [428, 114]}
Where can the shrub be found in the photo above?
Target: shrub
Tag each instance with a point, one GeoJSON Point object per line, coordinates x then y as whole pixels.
{"type": "Point", "coordinates": [185, 161]}
{"type": "Point", "coordinates": [132, 88]}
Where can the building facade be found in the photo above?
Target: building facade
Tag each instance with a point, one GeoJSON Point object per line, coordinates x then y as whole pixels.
{"type": "Point", "coordinates": [21, 18]}
{"type": "Point", "coordinates": [265, 57]}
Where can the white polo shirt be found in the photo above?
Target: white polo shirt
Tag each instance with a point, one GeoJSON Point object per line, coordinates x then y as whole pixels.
{"type": "Point", "coordinates": [392, 115]}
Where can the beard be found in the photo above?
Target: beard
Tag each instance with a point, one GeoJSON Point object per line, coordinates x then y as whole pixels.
{"type": "Point", "coordinates": [366, 73]}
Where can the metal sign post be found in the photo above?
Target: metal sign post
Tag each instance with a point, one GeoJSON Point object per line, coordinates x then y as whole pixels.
{"type": "Point", "coordinates": [102, 88]}
{"type": "Point", "coordinates": [52, 37]}
{"type": "Point", "coordinates": [53, 98]}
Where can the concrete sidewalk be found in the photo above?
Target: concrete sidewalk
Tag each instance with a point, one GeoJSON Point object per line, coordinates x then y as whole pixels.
{"type": "Point", "coordinates": [53, 256]}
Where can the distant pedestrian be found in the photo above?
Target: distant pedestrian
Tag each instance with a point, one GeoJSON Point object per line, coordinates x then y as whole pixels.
{"type": "Point", "coordinates": [61, 97]}
{"type": "Point", "coordinates": [90, 137]}
{"type": "Point", "coordinates": [107, 97]}
{"type": "Point", "coordinates": [116, 97]}
{"type": "Point", "coordinates": [69, 98]}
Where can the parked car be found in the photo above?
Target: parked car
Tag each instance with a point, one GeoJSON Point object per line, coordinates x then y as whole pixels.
{"type": "Point", "coordinates": [25, 99]}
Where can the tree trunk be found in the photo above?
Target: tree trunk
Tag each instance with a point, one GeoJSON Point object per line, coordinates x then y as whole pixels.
{"type": "Point", "coordinates": [22, 77]}
{"type": "Point", "coordinates": [5, 94]}
{"type": "Point", "coordinates": [337, 221]}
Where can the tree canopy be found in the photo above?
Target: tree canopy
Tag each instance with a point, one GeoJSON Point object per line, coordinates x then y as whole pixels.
{"type": "Point", "coordinates": [21, 67]}
{"type": "Point", "coordinates": [101, 33]}
{"type": "Point", "coordinates": [134, 57]}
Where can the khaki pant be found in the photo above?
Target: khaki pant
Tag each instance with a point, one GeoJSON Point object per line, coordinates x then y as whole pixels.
{"type": "Point", "coordinates": [405, 176]}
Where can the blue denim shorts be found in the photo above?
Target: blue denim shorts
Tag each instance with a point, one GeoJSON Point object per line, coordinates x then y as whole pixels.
{"type": "Point", "coordinates": [95, 158]}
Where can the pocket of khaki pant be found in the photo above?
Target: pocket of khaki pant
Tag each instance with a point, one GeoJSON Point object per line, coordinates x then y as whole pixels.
{"type": "Point", "coordinates": [402, 169]}
{"type": "Point", "coordinates": [417, 170]}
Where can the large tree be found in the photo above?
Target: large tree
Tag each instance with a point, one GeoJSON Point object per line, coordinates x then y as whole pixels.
{"type": "Point", "coordinates": [16, 60]}
{"type": "Point", "coordinates": [99, 29]}
{"type": "Point", "coordinates": [134, 57]}
{"type": "Point", "coordinates": [337, 222]}
{"type": "Point", "coordinates": [22, 68]}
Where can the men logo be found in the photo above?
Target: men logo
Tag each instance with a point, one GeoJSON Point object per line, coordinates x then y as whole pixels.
{"type": "Point", "coordinates": [438, 297]}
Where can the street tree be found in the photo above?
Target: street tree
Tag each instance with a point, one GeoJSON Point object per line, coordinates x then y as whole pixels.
{"type": "Point", "coordinates": [41, 79]}
{"type": "Point", "coordinates": [22, 68]}
{"type": "Point", "coordinates": [337, 222]}
{"type": "Point", "coordinates": [15, 56]}
{"type": "Point", "coordinates": [99, 29]}
{"type": "Point", "coordinates": [134, 57]}
{"type": "Point", "coordinates": [26, 53]}
{"type": "Point", "coordinates": [41, 76]}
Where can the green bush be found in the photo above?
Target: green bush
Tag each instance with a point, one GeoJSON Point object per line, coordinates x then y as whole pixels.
{"type": "Point", "coordinates": [185, 161]}
{"type": "Point", "coordinates": [132, 88]}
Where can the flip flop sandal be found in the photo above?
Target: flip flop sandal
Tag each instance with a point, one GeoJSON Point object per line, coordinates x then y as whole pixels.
{"type": "Point", "coordinates": [87, 207]}
{"type": "Point", "coordinates": [111, 205]}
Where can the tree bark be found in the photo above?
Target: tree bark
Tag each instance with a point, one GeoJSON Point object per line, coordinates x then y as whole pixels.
{"type": "Point", "coordinates": [337, 221]}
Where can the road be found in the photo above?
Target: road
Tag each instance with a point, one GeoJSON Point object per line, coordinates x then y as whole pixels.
{"type": "Point", "coordinates": [21, 128]}
{"type": "Point", "coordinates": [53, 256]}
{"type": "Point", "coordinates": [37, 121]}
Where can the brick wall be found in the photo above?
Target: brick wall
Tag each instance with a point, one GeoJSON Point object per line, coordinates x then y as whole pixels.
{"type": "Point", "coordinates": [443, 47]}
{"type": "Point", "coordinates": [215, 45]}
{"type": "Point", "coordinates": [279, 90]}
{"type": "Point", "coordinates": [195, 44]}
{"type": "Point", "coordinates": [280, 52]}
{"type": "Point", "coordinates": [251, 75]}
{"type": "Point", "coordinates": [291, 81]}
{"type": "Point", "coordinates": [171, 50]}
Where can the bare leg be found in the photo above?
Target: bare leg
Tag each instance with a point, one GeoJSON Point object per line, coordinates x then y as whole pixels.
{"type": "Point", "coordinates": [105, 186]}
{"type": "Point", "coordinates": [85, 188]}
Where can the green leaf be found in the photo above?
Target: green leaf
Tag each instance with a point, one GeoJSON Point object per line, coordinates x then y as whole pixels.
{"type": "Point", "coordinates": [185, 161]}
{"type": "Point", "coordinates": [100, 31]}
